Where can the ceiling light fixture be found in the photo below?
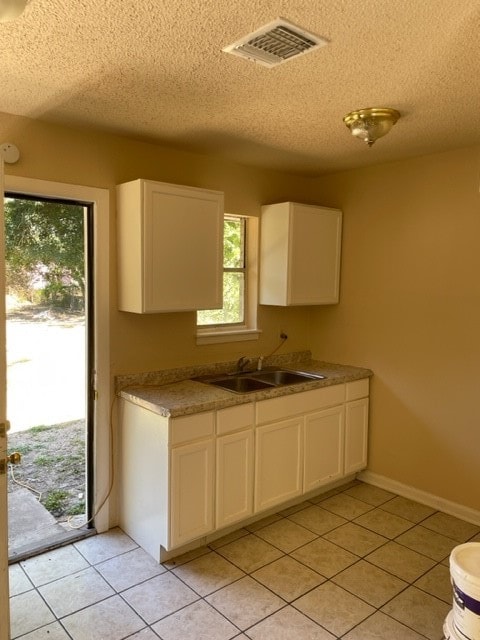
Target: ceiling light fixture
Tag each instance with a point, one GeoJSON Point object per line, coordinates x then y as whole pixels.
{"type": "Point", "coordinates": [11, 9]}
{"type": "Point", "coordinates": [371, 124]}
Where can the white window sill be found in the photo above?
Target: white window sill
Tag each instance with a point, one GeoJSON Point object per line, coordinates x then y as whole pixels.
{"type": "Point", "coordinates": [229, 335]}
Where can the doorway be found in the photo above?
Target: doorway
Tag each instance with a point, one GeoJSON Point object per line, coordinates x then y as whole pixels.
{"type": "Point", "coordinates": [49, 265]}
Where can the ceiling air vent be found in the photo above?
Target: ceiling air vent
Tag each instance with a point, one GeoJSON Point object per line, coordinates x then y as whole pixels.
{"type": "Point", "coordinates": [276, 42]}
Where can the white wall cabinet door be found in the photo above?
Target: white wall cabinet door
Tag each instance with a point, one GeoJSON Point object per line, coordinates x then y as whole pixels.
{"type": "Point", "coordinates": [323, 447]}
{"type": "Point", "coordinates": [300, 254]}
{"type": "Point", "coordinates": [170, 247]}
{"type": "Point", "coordinates": [234, 478]}
{"type": "Point", "coordinates": [356, 435]}
{"type": "Point", "coordinates": [278, 463]}
{"type": "Point", "coordinates": [191, 490]}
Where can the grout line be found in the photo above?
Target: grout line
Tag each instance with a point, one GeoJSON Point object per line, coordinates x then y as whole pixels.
{"type": "Point", "coordinates": [281, 517]}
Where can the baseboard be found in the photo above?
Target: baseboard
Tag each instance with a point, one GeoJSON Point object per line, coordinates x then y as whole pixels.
{"type": "Point", "coordinates": [406, 491]}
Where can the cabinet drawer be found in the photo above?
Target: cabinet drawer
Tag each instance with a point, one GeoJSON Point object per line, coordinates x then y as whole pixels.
{"type": "Point", "coordinates": [297, 403]}
{"type": "Point", "coordinates": [357, 389]}
{"type": "Point", "coordinates": [234, 418]}
{"type": "Point", "coordinates": [194, 427]}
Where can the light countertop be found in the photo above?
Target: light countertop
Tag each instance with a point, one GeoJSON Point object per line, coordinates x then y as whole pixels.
{"type": "Point", "coordinates": [169, 394]}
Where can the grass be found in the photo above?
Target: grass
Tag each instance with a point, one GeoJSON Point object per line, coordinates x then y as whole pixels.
{"type": "Point", "coordinates": [21, 448]}
{"type": "Point", "coordinates": [53, 465]}
{"type": "Point", "coordinates": [55, 501]}
{"type": "Point", "coordinates": [77, 509]}
{"type": "Point", "coordinates": [40, 428]}
{"type": "Point", "coordinates": [48, 461]}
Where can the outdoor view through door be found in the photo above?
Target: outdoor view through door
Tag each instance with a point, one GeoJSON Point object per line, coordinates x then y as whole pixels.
{"type": "Point", "coordinates": [49, 343]}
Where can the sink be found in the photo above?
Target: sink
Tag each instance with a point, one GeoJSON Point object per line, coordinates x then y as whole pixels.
{"type": "Point", "coordinates": [240, 384]}
{"type": "Point", "coordinates": [258, 380]}
{"type": "Point", "coordinates": [284, 377]}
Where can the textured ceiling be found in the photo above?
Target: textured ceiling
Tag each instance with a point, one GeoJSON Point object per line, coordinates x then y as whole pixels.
{"type": "Point", "coordinates": [155, 70]}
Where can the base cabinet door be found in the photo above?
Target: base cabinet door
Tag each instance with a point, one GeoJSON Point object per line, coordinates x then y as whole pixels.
{"type": "Point", "coordinates": [356, 435]}
{"type": "Point", "coordinates": [234, 486]}
{"type": "Point", "coordinates": [323, 447]}
{"type": "Point", "coordinates": [278, 463]}
{"type": "Point", "coordinates": [192, 491]}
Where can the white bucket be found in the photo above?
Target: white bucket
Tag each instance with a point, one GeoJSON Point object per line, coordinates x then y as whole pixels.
{"type": "Point", "coordinates": [448, 628]}
{"type": "Point", "coordinates": [465, 576]}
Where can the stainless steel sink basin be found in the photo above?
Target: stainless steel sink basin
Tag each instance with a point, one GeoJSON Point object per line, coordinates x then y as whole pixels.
{"type": "Point", "coordinates": [240, 384]}
{"type": "Point", "coordinates": [257, 380]}
{"type": "Point", "coordinates": [284, 377]}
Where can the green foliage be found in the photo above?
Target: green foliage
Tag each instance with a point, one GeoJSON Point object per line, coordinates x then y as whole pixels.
{"type": "Point", "coordinates": [76, 509]}
{"type": "Point", "coordinates": [48, 461]}
{"type": "Point", "coordinates": [44, 241]}
{"type": "Point", "coordinates": [39, 429]}
{"type": "Point", "coordinates": [233, 281]}
{"type": "Point", "coordinates": [21, 448]}
{"type": "Point", "coordinates": [55, 500]}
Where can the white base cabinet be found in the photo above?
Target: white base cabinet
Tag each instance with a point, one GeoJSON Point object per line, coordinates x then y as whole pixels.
{"type": "Point", "coordinates": [234, 484]}
{"type": "Point", "coordinates": [191, 481]}
{"type": "Point", "coordinates": [356, 435]}
{"type": "Point", "coordinates": [183, 479]}
{"type": "Point", "coordinates": [278, 463]}
{"type": "Point", "coordinates": [323, 443]}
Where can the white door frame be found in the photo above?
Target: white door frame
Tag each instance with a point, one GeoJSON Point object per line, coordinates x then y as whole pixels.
{"type": "Point", "coordinates": [4, 608]}
{"type": "Point", "coordinates": [100, 198]}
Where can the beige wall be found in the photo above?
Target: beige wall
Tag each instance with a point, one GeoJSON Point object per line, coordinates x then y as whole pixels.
{"type": "Point", "coordinates": [79, 156]}
{"type": "Point", "coordinates": [410, 310]}
{"type": "Point", "coordinates": [410, 291]}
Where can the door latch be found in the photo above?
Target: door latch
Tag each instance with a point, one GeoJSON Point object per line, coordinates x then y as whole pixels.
{"type": "Point", "coordinates": [13, 458]}
{"type": "Point", "coordinates": [4, 427]}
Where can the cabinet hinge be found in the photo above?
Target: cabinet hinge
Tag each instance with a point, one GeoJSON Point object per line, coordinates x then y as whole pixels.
{"type": "Point", "coordinates": [3, 467]}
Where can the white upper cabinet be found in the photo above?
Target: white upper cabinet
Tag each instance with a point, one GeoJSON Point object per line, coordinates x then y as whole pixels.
{"type": "Point", "coordinates": [170, 247]}
{"type": "Point", "coordinates": [300, 254]}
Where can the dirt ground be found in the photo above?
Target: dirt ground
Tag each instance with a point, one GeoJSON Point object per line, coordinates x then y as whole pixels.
{"type": "Point", "coordinates": [52, 467]}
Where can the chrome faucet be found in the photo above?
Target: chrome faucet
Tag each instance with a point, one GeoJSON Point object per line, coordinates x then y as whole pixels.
{"type": "Point", "coordinates": [242, 363]}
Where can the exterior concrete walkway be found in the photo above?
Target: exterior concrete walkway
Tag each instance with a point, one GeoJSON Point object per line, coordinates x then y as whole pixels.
{"type": "Point", "coordinates": [32, 529]}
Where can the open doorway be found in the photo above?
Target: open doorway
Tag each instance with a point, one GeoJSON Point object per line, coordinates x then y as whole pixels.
{"type": "Point", "coordinates": [49, 370]}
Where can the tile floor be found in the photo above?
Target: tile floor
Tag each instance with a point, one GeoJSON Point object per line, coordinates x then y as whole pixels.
{"type": "Point", "coordinates": [357, 563]}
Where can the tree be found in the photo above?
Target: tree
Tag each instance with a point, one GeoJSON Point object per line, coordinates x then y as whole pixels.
{"type": "Point", "coordinates": [232, 311]}
{"type": "Point", "coordinates": [44, 248]}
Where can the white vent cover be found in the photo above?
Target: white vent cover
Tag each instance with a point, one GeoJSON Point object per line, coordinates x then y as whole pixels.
{"type": "Point", "coordinates": [276, 42]}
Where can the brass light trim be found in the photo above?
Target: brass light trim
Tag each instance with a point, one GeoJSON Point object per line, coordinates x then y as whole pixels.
{"type": "Point", "coordinates": [372, 123]}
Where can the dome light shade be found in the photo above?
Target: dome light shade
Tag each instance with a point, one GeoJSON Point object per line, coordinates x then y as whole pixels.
{"type": "Point", "coordinates": [371, 124]}
{"type": "Point", "coordinates": [11, 9]}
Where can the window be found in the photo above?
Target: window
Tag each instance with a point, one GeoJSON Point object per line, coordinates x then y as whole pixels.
{"type": "Point", "coordinates": [237, 318]}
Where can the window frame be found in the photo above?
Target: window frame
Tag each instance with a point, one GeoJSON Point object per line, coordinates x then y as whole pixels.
{"type": "Point", "coordinates": [247, 330]}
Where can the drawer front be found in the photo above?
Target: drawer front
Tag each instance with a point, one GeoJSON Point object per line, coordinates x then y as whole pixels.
{"type": "Point", "coordinates": [357, 389]}
{"type": "Point", "coordinates": [188, 428]}
{"type": "Point", "coordinates": [297, 403]}
{"type": "Point", "coordinates": [235, 418]}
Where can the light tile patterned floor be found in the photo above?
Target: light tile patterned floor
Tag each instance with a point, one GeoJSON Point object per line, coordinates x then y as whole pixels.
{"type": "Point", "coordinates": [357, 563]}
